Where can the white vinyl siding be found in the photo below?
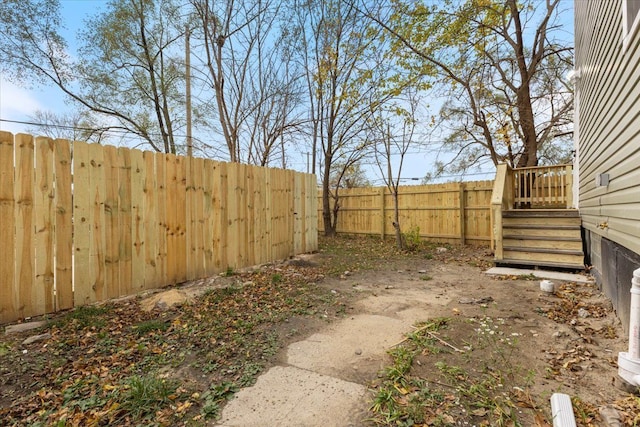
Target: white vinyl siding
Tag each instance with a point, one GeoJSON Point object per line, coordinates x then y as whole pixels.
{"type": "Point", "coordinates": [609, 118]}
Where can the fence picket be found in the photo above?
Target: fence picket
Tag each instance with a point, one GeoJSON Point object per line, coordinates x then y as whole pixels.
{"type": "Point", "coordinates": [181, 219]}
{"type": "Point", "coordinates": [171, 218]}
{"type": "Point", "coordinates": [64, 226]}
{"type": "Point", "coordinates": [81, 224]}
{"type": "Point", "coordinates": [97, 195]}
{"type": "Point", "coordinates": [8, 289]}
{"type": "Point", "coordinates": [161, 225]}
{"type": "Point", "coordinates": [112, 221]}
{"type": "Point", "coordinates": [197, 206]}
{"type": "Point", "coordinates": [43, 286]}
{"type": "Point", "coordinates": [126, 220]}
{"type": "Point", "coordinates": [25, 251]}
{"type": "Point", "coordinates": [208, 218]}
{"type": "Point", "coordinates": [137, 224]}
{"type": "Point", "coordinates": [150, 215]}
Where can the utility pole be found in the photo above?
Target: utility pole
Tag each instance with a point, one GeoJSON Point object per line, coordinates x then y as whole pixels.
{"type": "Point", "coordinates": [188, 83]}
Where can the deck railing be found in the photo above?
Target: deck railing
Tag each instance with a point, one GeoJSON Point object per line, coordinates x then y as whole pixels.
{"type": "Point", "coordinates": [543, 187]}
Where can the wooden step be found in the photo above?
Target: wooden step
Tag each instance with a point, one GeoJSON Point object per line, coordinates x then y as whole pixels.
{"type": "Point", "coordinates": [553, 242]}
{"type": "Point", "coordinates": [543, 250]}
{"type": "Point", "coordinates": [541, 231]}
{"type": "Point", "coordinates": [541, 213]}
{"type": "Point", "coordinates": [544, 257]}
{"type": "Point", "coordinates": [550, 264]}
{"type": "Point", "coordinates": [540, 220]}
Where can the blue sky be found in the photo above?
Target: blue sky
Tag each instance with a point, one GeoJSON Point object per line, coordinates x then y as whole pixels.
{"type": "Point", "coordinates": [17, 103]}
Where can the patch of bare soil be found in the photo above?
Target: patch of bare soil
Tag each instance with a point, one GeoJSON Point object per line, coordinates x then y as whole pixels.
{"type": "Point", "coordinates": [503, 346]}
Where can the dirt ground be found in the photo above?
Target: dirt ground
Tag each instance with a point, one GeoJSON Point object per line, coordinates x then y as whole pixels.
{"type": "Point", "coordinates": [499, 343]}
{"type": "Point", "coordinates": [537, 343]}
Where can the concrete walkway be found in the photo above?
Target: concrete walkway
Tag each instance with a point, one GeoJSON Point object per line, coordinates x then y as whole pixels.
{"type": "Point", "coordinates": [324, 380]}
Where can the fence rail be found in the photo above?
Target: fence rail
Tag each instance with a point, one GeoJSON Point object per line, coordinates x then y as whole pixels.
{"type": "Point", "coordinates": [81, 223]}
{"type": "Point", "coordinates": [448, 213]}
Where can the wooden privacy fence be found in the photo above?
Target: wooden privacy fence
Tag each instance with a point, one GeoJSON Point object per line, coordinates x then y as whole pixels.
{"type": "Point", "coordinates": [81, 223]}
{"type": "Point", "coordinates": [449, 213]}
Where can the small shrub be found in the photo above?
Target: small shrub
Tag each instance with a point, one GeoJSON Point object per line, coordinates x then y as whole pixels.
{"type": "Point", "coordinates": [412, 238]}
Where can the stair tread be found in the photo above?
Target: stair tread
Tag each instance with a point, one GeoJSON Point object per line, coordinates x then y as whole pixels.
{"type": "Point", "coordinates": [543, 250]}
{"type": "Point", "coordinates": [551, 238]}
{"type": "Point", "coordinates": [508, 261]}
{"type": "Point", "coordinates": [541, 213]}
{"type": "Point", "coordinates": [541, 226]}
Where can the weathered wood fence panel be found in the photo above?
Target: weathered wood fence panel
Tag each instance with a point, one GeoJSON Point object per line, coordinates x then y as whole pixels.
{"type": "Point", "coordinates": [448, 213]}
{"type": "Point", "coordinates": [81, 223]}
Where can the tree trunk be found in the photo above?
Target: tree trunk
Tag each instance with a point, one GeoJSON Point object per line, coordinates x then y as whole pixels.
{"type": "Point", "coordinates": [530, 154]}
{"type": "Point", "coordinates": [329, 229]}
{"type": "Point", "coordinates": [396, 222]}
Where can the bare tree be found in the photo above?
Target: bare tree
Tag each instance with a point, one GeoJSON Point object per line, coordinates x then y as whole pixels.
{"type": "Point", "coordinates": [132, 66]}
{"type": "Point", "coordinates": [126, 69]}
{"type": "Point", "coordinates": [395, 131]}
{"type": "Point", "coordinates": [252, 88]}
{"type": "Point", "coordinates": [75, 126]}
{"type": "Point", "coordinates": [272, 105]}
{"type": "Point", "coordinates": [337, 50]}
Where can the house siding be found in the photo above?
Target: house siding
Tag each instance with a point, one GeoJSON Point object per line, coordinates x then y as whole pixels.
{"type": "Point", "coordinates": [608, 117]}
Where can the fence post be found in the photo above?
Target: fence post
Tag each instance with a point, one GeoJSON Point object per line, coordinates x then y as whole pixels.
{"type": "Point", "coordinates": [382, 189]}
{"type": "Point", "coordinates": [569, 186]}
{"type": "Point", "coordinates": [463, 238]}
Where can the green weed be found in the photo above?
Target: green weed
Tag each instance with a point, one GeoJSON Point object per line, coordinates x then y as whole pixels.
{"type": "Point", "coordinates": [85, 316]}
{"type": "Point", "coordinates": [145, 395]}
{"type": "Point", "coordinates": [151, 325]}
{"type": "Point", "coordinates": [4, 349]}
{"type": "Point", "coordinates": [461, 391]}
{"type": "Point", "coordinates": [213, 398]}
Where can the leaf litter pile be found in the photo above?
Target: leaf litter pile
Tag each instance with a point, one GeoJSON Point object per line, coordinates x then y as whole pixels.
{"type": "Point", "coordinates": [115, 364]}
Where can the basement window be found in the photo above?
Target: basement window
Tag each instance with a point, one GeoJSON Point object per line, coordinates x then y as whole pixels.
{"type": "Point", "coordinates": [630, 15]}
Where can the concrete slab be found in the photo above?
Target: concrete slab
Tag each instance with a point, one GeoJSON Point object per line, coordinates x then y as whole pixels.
{"type": "Point", "coordinates": [543, 274]}
{"type": "Point", "coordinates": [406, 304]}
{"type": "Point", "coordinates": [293, 397]}
{"type": "Point", "coordinates": [21, 327]}
{"type": "Point", "coordinates": [353, 349]}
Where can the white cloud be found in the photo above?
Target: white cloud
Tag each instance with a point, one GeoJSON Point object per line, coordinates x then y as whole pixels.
{"type": "Point", "coordinates": [17, 101]}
